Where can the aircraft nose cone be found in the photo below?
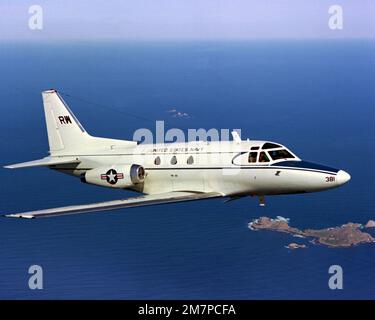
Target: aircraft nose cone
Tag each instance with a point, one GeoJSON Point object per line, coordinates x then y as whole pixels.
{"type": "Point", "coordinates": [342, 177]}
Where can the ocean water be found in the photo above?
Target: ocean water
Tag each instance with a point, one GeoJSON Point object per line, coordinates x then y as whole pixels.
{"type": "Point", "coordinates": [316, 97]}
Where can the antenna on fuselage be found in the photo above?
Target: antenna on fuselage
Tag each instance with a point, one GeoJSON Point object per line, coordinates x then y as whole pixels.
{"type": "Point", "coordinates": [236, 137]}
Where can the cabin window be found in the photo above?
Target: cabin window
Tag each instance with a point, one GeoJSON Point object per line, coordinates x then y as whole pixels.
{"type": "Point", "coordinates": [253, 157]}
{"type": "Point", "coordinates": [254, 148]}
{"type": "Point", "coordinates": [263, 157]}
{"type": "Point", "coordinates": [190, 160]}
{"type": "Point", "coordinates": [269, 145]}
{"type": "Point", "coordinates": [174, 160]}
{"type": "Point", "coordinates": [157, 161]}
{"type": "Point", "coordinates": [280, 154]}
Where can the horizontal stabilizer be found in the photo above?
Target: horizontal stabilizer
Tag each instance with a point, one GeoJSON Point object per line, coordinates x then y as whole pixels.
{"type": "Point", "coordinates": [146, 200]}
{"type": "Point", "coordinates": [47, 161]}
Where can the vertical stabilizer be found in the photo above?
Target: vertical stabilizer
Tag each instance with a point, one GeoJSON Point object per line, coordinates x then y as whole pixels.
{"type": "Point", "coordinates": [65, 133]}
{"type": "Point", "coordinates": [66, 136]}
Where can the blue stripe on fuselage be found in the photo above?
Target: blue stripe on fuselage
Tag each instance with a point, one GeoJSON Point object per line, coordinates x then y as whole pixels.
{"type": "Point", "coordinates": [305, 165]}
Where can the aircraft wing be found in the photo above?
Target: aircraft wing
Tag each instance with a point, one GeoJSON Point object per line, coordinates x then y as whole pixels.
{"type": "Point", "coordinates": [146, 200]}
{"type": "Point", "coordinates": [47, 161]}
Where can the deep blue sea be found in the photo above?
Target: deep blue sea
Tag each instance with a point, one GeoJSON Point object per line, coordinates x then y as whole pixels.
{"type": "Point", "coordinates": [316, 97]}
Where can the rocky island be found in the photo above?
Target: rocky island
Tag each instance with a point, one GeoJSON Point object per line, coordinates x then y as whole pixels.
{"type": "Point", "coordinates": [294, 246]}
{"type": "Point", "coordinates": [347, 235]}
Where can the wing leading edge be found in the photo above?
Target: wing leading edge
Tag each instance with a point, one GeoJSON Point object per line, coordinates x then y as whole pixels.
{"type": "Point", "coordinates": [145, 200]}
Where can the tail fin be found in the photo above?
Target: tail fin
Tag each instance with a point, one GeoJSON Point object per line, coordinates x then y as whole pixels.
{"type": "Point", "coordinates": [64, 130]}
{"type": "Point", "coordinates": [65, 133]}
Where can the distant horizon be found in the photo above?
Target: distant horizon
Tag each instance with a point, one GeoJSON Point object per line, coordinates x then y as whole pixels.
{"type": "Point", "coordinates": [104, 40]}
{"type": "Point", "coordinates": [167, 20]}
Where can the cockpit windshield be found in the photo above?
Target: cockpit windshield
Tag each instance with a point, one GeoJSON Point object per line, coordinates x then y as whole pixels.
{"type": "Point", "coordinates": [269, 145]}
{"type": "Point", "coordinates": [280, 154]}
{"type": "Point", "coordinates": [268, 152]}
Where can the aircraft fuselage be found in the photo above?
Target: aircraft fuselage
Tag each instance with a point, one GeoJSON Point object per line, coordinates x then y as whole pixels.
{"type": "Point", "coordinates": [223, 167]}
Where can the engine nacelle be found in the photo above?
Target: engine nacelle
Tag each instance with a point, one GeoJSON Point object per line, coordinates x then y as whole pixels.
{"type": "Point", "coordinates": [118, 176]}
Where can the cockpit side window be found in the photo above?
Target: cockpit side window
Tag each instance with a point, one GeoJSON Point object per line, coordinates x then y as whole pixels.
{"type": "Point", "coordinates": [280, 154]}
{"type": "Point", "coordinates": [263, 157]}
{"type": "Point", "coordinates": [269, 145]}
{"type": "Point", "coordinates": [253, 157]}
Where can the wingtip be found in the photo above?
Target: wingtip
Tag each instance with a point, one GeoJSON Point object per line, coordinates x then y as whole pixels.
{"type": "Point", "coordinates": [23, 216]}
{"type": "Point", "coordinates": [50, 91]}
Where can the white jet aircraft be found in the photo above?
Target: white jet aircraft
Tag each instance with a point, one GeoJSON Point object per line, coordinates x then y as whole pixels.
{"type": "Point", "coordinates": [176, 172]}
